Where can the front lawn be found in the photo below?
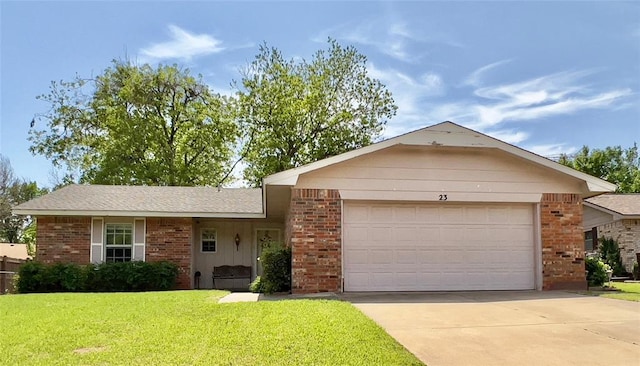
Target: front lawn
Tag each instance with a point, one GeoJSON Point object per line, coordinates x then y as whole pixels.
{"type": "Point", "coordinates": [188, 328]}
{"type": "Point", "coordinates": [629, 291]}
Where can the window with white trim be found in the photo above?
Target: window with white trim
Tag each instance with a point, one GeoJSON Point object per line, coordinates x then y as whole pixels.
{"type": "Point", "coordinates": [118, 242]}
{"type": "Point", "coordinates": [208, 240]}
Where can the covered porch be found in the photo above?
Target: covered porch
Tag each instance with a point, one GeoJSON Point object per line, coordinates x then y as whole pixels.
{"type": "Point", "coordinates": [230, 242]}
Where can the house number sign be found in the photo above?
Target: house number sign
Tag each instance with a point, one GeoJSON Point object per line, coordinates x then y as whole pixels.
{"type": "Point", "coordinates": [443, 197]}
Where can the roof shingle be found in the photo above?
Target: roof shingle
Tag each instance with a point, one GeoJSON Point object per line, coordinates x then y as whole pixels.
{"type": "Point", "coordinates": [149, 199]}
{"type": "Point", "coordinates": [624, 204]}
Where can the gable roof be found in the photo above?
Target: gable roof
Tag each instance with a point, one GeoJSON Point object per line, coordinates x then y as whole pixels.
{"type": "Point", "coordinates": [442, 134]}
{"type": "Point", "coordinates": [617, 204]}
{"type": "Point", "coordinates": [11, 250]}
{"type": "Point", "coordinates": [103, 200]}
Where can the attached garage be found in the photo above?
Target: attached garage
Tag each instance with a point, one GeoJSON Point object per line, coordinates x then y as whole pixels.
{"type": "Point", "coordinates": [444, 208]}
{"type": "Point", "coordinates": [438, 246]}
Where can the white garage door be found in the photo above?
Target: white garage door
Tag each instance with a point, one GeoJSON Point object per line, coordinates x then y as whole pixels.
{"type": "Point", "coordinates": [438, 247]}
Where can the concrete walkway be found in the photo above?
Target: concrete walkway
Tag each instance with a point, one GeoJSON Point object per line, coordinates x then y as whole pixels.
{"type": "Point", "coordinates": [251, 297]}
{"type": "Point", "coordinates": [508, 328]}
{"type": "Point", "coordinates": [239, 297]}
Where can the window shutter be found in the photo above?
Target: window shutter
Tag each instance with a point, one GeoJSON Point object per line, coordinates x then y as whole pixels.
{"type": "Point", "coordinates": [139, 239]}
{"type": "Point", "coordinates": [97, 240]}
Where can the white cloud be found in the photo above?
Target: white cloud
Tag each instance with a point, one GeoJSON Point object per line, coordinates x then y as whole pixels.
{"type": "Point", "coordinates": [509, 136]}
{"type": "Point", "coordinates": [494, 106]}
{"type": "Point", "coordinates": [391, 40]}
{"type": "Point", "coordinates": [410, 95]}
{"type": "Point", "coordinates": [551, 150]}
{"type": "Point", "coordinates": [183, 45]}
{"type": "Point", "coordinates": [475, 78]}
{"type": "Point", "coordinates": [556, 94]}
{"type": "Point", "coordinates": [390, 37]}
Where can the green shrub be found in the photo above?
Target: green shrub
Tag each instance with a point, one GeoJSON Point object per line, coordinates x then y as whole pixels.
{"type": "Point", "coordinates": [276, 270]}
{"type": "Point", "coordinates": [256, 285]}
{"type": "Point", "coordinates": [30, 277]}
{"type": "Point", "coordinates": [610, 254]}
{"type": "Point", "coordinates": [66, 277]}
{"type": "Point", "coordinates": [636, 271]}
{"type": "Point", "coordinates": [596, 271]}
{"type": "Point", "coordinates": [104, 277]}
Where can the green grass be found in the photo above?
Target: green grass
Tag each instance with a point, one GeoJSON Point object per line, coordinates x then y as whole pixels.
{"type": "Point", "coordinates": [629, 291]}
{"type": "Point", "coordinates": [188, 328]}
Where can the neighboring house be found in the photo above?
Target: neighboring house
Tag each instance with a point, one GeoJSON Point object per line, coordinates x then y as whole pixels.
{"type": "Point", "coordinates": [15, 251]}
{"type": "Point", "coordinates": [440, 208]}
{"type": "Point", "coordinates": [615, 216]}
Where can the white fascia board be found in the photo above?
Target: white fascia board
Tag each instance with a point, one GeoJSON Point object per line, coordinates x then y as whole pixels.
{"type": "Point", "coordinates": [601, 188]}
{"type": "Point", "coordinates": [230, 215]}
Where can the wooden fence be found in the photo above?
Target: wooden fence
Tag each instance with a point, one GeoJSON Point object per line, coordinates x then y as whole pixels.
{"type": "Point", "coordinates": [8, 268]}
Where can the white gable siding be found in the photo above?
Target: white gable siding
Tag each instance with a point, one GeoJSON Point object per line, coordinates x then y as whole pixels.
{"type": "Point", "coordinates": [424, 173]}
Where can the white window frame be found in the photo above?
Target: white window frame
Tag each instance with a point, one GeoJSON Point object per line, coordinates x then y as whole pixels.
{"type": "Point", "coordinates": [107, 246]}
{"type": "Point", "coordinates": [215, 233]}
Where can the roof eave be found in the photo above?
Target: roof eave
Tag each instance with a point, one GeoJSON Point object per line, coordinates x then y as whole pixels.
{"type": "Point", "coordinates": [100, 213]}
{"type": "Point", "coordinates": [617, 215]}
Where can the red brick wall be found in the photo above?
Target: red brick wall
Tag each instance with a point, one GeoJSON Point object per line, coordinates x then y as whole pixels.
{"type": "Point", "coordinates": [63, 239]}
{"type": "Point", "coordinates": [314, 234]}
{"type": "Point", "coordinates": [170, 239]}
{"type": "Point", "coordinates": [562, 242]}
{"type": "Point", "coordinates": [68, 240]}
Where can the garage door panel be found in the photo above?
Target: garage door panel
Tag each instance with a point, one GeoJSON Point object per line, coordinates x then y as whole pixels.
{"type": "Point", "coordinates": [354, 257]}
{"type": "Point", "coordinates": [451, 234]}
{"type": "Point", "coordinates": [382, 279]}
{"type": "Point", "coordinates": [521, 215]}
{"type": "Point", "coordinates": [428, 233]}
{"type": "Point", "coordinates": [451, 214]}
{"type": "Point", "coordinates": [430, 256]}
{"type": "Point", "coordinates": [498, 214]}
{"type": "Point", "coordinates": [429, 247]}
{"type": "Point", "coordinates": [405, 214]}
{"type": "Point", "coordinates": [406, 256]}
{"type": "Point", "coordinates": [380, 233]}
{"type": "Point", "coordinates": [380, 214]}
{"type": "Point", "coordinates": [427, 214]}
{"type": "Point", "coordinates": [406, 233]}
{"type": "Point", "coordinates": [380, 256]}
{"type": "Point", "coordinates": [357, 213]}
{"type": "Point", "coordinates": [406, 279]}
{"type": "Point", "coordinates": [475, 215]}
{"type": "Point", "coordinates": [359, 280]}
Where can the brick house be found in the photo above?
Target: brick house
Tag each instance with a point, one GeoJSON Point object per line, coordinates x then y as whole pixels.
{"type": "Point", "coordinates": [615, 216]}
{"type": "Point", "coordinates": [440, 208]}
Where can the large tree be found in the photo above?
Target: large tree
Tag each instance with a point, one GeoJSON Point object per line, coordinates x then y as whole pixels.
{"type": "Point", "coordinates": [13, 191]}
{"type": "Point", "coordinates": [138, 125]}
{"type": "Point", "coordinates": [614, 164]}
{"type": "Point", "coordinates": [294, 111]}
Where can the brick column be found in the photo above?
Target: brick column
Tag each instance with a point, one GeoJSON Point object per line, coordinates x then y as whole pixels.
{"type": "Point", "coordinates": [63, 239]}
{"type": "Point", "coordinates": [314, 234]}
{"type": "Point", "coordinates": [170, 239]}
{"type": "Point", "coordinates": [563, 266]}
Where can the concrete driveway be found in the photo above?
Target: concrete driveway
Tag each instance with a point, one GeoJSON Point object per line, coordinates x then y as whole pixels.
{"type": "Point", "coordinates": [508, 328]}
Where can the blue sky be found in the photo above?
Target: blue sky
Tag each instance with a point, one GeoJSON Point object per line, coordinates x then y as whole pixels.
{"type": "Point", "coordinates": [546, 76]}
